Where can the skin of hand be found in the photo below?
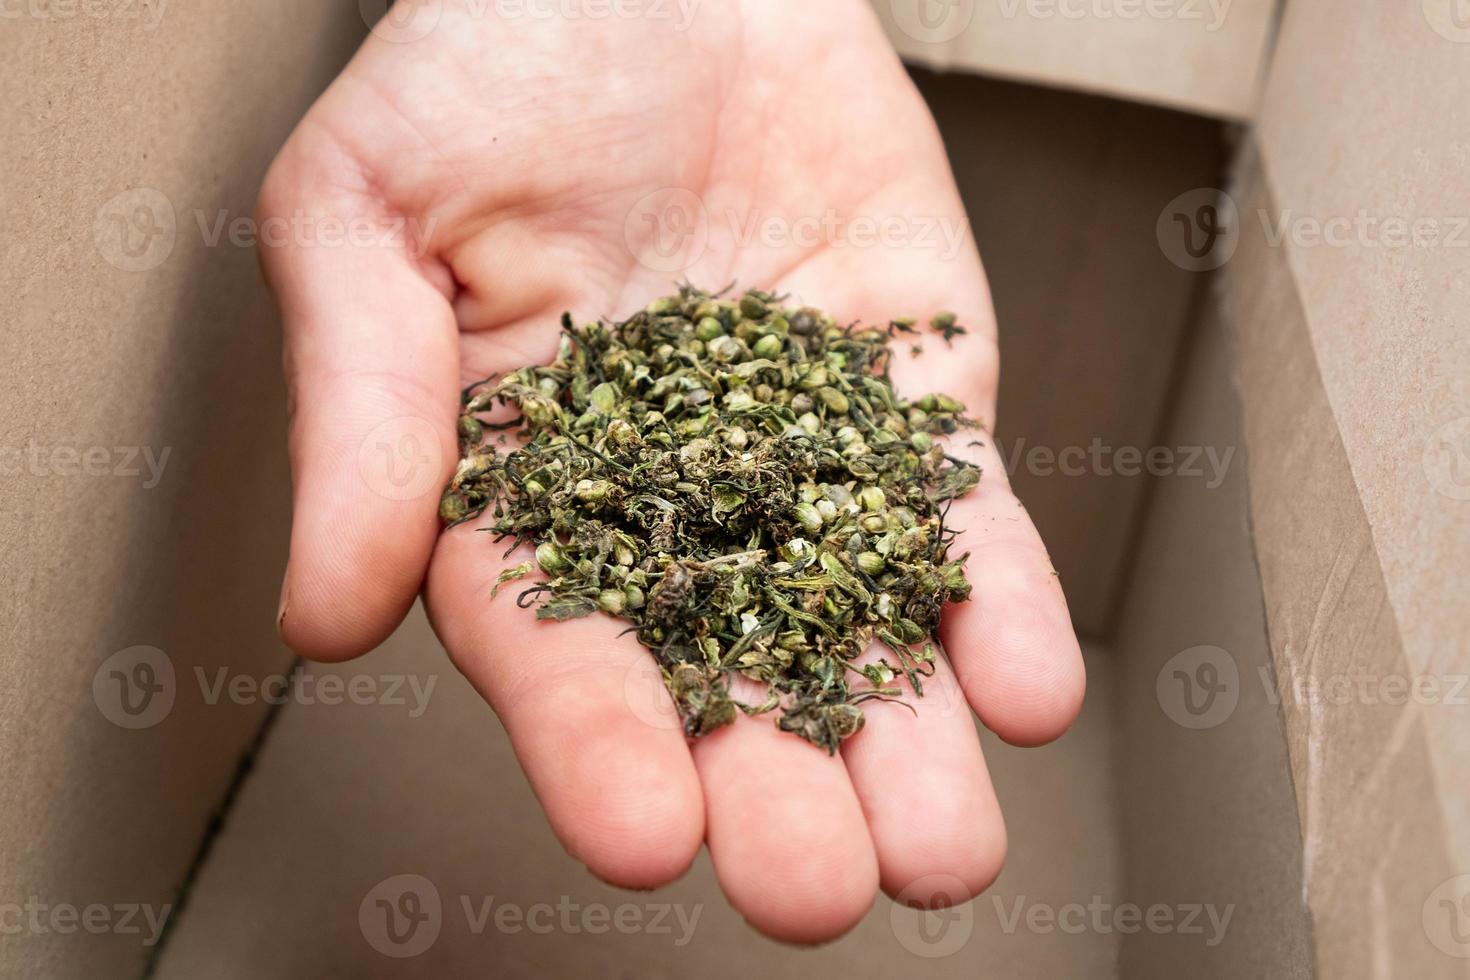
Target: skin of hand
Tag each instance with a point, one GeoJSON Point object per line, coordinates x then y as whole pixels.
{"type": "Point", "coordinates": [523, 166]}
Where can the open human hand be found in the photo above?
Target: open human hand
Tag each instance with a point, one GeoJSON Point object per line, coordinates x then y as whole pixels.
{"type": "Point", "coordinates": [524, 165]}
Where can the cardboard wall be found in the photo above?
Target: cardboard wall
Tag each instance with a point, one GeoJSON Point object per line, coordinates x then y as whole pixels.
{"type": "Point", "coordinates": [143, 489]}
{"type": "Point", "coordinates": [345, 798]}
{"type": "Point", "coordinates": [1386, 319]}
{"type": "Point", "coordinates": [1349, 280]}
{"type": "Point", "coordinates": [1208, 806]}
{"type": "Point", "coordinates": [1063, 192]}
{"type": "Point", "coordinates": [1375, 843]}
{"type": "Point", "coordinates": [1205, 56]}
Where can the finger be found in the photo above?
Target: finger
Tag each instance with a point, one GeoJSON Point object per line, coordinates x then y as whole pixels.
{"type": "Point", "coordinates": [919, 773]}
{"type": "Point", "coordinates": [586, 710]}
{"type": "Point", "coordinates": [786, 832]}
{"type": "Point", "coordinates": [371, 366]}
{"type": "Point", "coordinates": [1012, 644]}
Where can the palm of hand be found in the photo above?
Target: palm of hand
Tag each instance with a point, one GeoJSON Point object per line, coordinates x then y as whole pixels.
{"type": "Point", "coordinates": [538, 166]}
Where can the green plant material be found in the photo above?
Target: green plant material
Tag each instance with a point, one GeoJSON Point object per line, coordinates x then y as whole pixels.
{"type": "Point", "coordinates": [739, 481]}
{"type": "Point", "coordinates": [947, 326]}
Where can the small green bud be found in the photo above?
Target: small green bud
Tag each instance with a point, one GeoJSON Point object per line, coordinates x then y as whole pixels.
{"type": "Point", "coordinates": [726, 350]}
{"type": "Point", "coordinates": [709, 328]}
{"type": "Point", "coordinates": [835, 400]}
{"type": "Point", "coordinates": [622, 434]}
{"type": "Point", "coordinates": [872, 499]}
{"type": "Point", "coordinates": [594, 491]}
{"type": "Point", "coordinates": [838, 494]}
{"type": "Point", "coordinates": [453, 507]}
{"type": "Point", "coordinates": [551, 558]}
{"type": "Point", "coordinates": [807, 516]}
{"type": "Point", "coordinates": [752, 306]}
{"type": "Point", "coordinates": [612, 601]}
{"type": "Point", "coordinates": [738, 400]}
{"type": "Point", "coordinates": [604, 397]}
{"type": "Point", "coordinates": [871, 562]}
{"type": "Point", "coordinates": [768, 346]}
{"type": "Point", "coordinates": [470, 430]}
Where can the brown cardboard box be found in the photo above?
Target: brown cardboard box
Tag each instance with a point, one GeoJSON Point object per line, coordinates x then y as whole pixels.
{"type": "Point", "coordinates": [1215, 774]}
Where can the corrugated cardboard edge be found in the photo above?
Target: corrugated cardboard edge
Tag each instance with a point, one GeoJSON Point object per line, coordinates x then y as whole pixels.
{"type": "Point", "coordinates": [1375, 846]}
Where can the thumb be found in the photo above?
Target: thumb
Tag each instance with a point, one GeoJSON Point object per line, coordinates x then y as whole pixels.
{"type": "Point", "coordinates": [371, 361]}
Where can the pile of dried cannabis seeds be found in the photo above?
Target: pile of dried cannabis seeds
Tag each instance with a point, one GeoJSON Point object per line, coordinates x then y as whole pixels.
{"type": "Point", "coordinates": [740, 482]}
